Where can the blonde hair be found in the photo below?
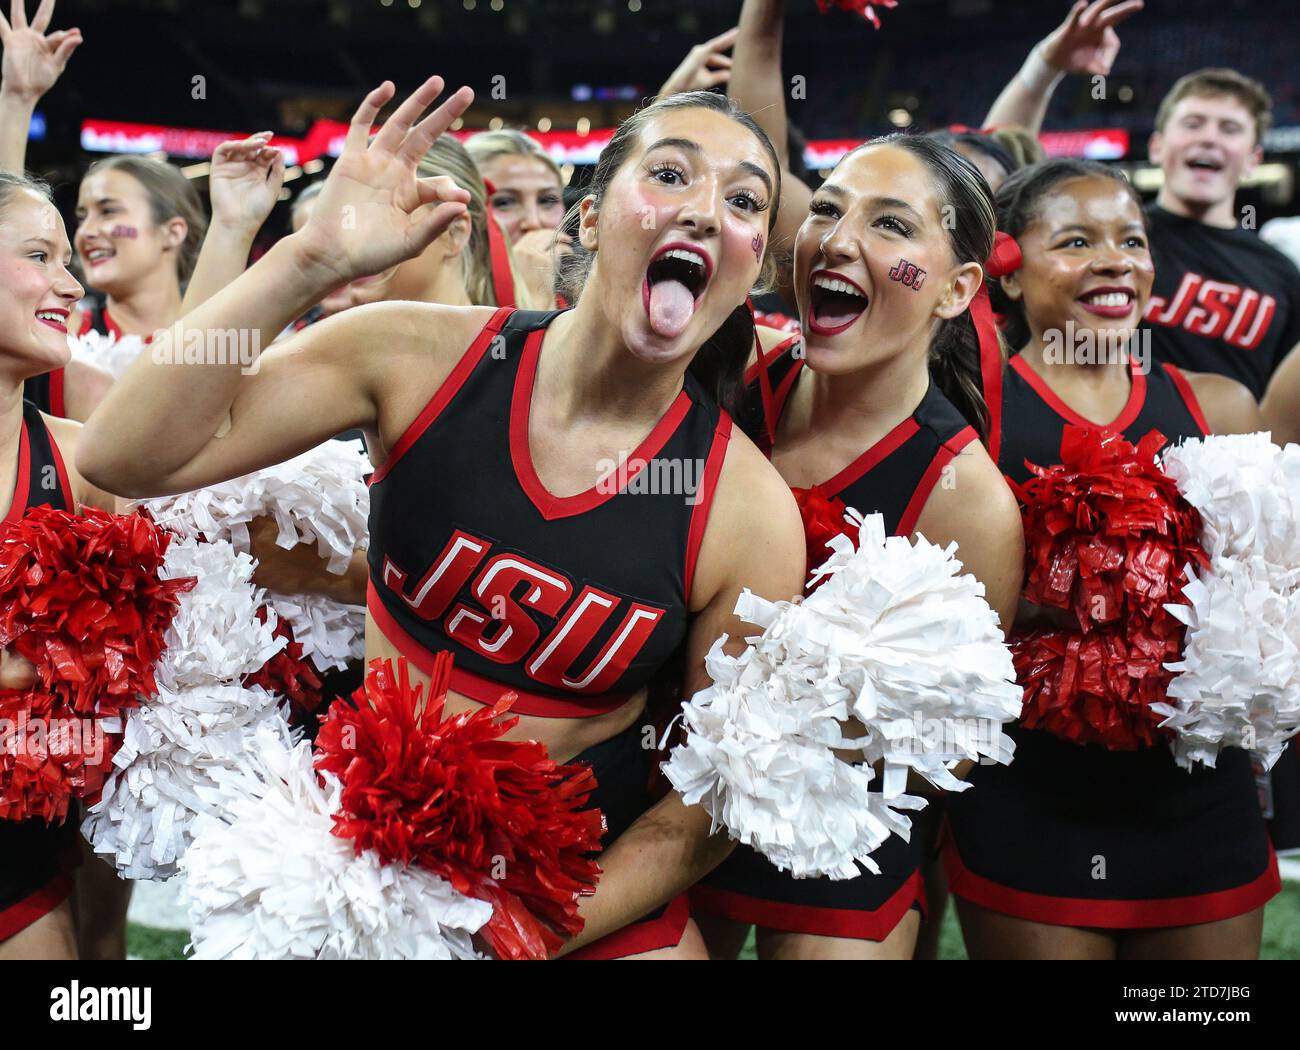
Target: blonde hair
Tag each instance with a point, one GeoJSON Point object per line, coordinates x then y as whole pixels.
{"type": "Point", "coordinates": [506, 142]}
{"type": "Point", "coordinates": [448, 157]}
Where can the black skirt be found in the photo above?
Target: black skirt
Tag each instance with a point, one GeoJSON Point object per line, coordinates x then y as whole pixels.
{"type": "Point", "coordinates": [1074, 835]}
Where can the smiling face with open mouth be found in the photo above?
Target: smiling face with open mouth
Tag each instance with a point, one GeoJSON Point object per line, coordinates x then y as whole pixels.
{"type": "Point", "coordinates": [1208, 145]}
{"type": "Point", "coordinates": [678, 233]}
{"type": "Point", "coordinates": [119, 244]}
{"type": "Point", "coordinates": [872, 261]}
{"type": "Point", "coordinates": [37, 293]}
{"type": "Point", "coordinates": [1086, 264]}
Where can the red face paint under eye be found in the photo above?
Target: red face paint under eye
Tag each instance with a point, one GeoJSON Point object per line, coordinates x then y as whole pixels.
{"type": "Point", "coordinates": [757, 245]}
{"type": "Point", "coordinates": [128, 233]}
{"type": "Point", "coordinates": [908, 275]}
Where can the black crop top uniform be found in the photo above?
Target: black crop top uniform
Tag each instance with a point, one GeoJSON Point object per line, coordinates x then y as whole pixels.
{"type": "Point", "coordinates": [893, 478]}
{"type": "Point", "coordinates": [574, 602]}
{"type": "Point", "coordinates": [1079, 835]}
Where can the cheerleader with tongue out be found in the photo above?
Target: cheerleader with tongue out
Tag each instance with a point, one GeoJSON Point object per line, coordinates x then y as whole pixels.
{"type": "Point", "coordinates": [879, 408]}
{"type": "Point", "coordinates": [502, 524]}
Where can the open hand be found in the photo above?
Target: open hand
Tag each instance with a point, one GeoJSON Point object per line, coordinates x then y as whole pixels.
{"type": "Point", "coordinates": [374, 211]}
{"type": "Point", "coordinates": [1086, 42]}
{"type": "Point", "coordinates": [244, 184]}
{"type": "Point", "coordinates": [33, 61]}
{"type": "Point", "coordinates": [706, 65]}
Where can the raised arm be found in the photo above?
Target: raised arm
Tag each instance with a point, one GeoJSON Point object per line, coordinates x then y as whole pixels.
{"type": "Point", "coordinates": [706, 65]}
{"type": "Point", "coordinates": [243, 187]}
{"type": "Point", "coordinates": [758, 86]}
{"type": "Point", "coordinates": [1086, 42]}
{"type": "Point", "coordinates": [756, 81]}
{"type": "Point", "coordinates": [669, 848]}
{"type": "Point", "coordinates": [193, 411]}
{"type": "Point", "coordinates": [33, 61]}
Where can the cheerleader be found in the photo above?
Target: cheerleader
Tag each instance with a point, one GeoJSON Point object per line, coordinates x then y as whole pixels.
{"type": "Point", "coordinates": [879, 407]}
{"type": "Point", "coordinates": [33, 62]}
{"type": "Point", "coordinates": [526, 200]}
{"type": "Point", "coordinates": [1076, 851]}
{"type": "Point", "coordinates": [37, 296]}
{"type": "Point", "coordinates": [503, 526]}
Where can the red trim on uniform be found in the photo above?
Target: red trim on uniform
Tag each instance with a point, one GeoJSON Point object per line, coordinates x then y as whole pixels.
{"type": "Point", "coordinates": [17, 917]}
{"type": "Point", "coordinates": [1136, 396]}
{"type": "Point", "coordinates": [648, 936]}
{"type": "Point", "coordinates": [765, 358]}
{"type": "Point", "coordinates": [782, 395]}
{"type": "Point", "coordinates": [486, 690]}
{"type": "Point", "coordinates": [57, 406]}
{"type": "Point", "coordinates": [808, 918]}
{"type": "Point", "coordinates": [64, 480]}
{"type": "Point", "coordinates": [1110, 914]}
{"type": "Point", "coordinates": [947, 452]}
{"type": "Point", "coordinates": [111, 325]}
{"type": "Point", "coordinates": [503, 283]}
{"type": "Point", "coordinates": [521, 404]}
{"type": "Point", "coordinates": [700, 512]}
{"type": "Point", "coordinates": [871, 457]}
{"type": "Point", "coordinates": [22, 483]}
{"type": "Point", "coordinates": [87, 323]}
{"type": "Point", "coordinates": [442, 397]}
{"type": "Point", "coordinates": [1189, 398]}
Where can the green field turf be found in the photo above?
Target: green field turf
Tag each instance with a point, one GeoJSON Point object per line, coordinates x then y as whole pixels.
{"type": "Point", "coordinates": [1281, 933]}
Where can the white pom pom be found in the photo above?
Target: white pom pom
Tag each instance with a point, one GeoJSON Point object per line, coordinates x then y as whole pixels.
{"type": "Point", "coordinates": [1238, 683]}
{"type": "Point", "coordinates": [320, 498]}
{"type": "Point", "coordinates": [1239, 680]}
{"type": "Point", "coordinates": [1247, 491]}
{"type": "Point", "coordinates": [199, 721]}
{"type": "Point", "coordinates": [216, 634]}
{"type": "Point", "coordinates": [270, 881]}
{"type": "Point", "coordinates": [106, 352]}
{"type": "Point", "coordinates": [166, 771]}
{"type": "Point", "coordinates": [331, 634]}
{"type": "Point", "coordinates": [920, 651]}
{"type": "Point", "coordinates": [895, 640]}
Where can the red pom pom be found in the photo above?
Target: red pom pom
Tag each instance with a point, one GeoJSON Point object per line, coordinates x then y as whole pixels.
{"type": "Point", "coordinates": [823, 519]}
{"type": "Point", "coordinates": [49, 755]}
{"type": "Point", "coordinates": [287, 673]}
{"type": "Point", "coordinates": [82, 599]}
{"type": "Point", "coordinates": [498, 819]}
{"type": "Point", "coordinates": [865, 8]}
{"type": "Point", "coordinates": [1108, 536]}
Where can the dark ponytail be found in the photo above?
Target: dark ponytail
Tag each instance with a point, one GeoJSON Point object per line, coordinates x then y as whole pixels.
{"type": "Point", "coordinates": [955, 369]}
{"type": "Point", "coordinates": [1017, 203]}
{"type": "Point", "coordinates": [719, 365]}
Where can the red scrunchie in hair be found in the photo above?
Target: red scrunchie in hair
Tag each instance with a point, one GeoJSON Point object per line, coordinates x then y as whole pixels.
{"type": "Point", "coordinates": [1004, 259]}
{"type": "Point", "coordinates": [503, 285]}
